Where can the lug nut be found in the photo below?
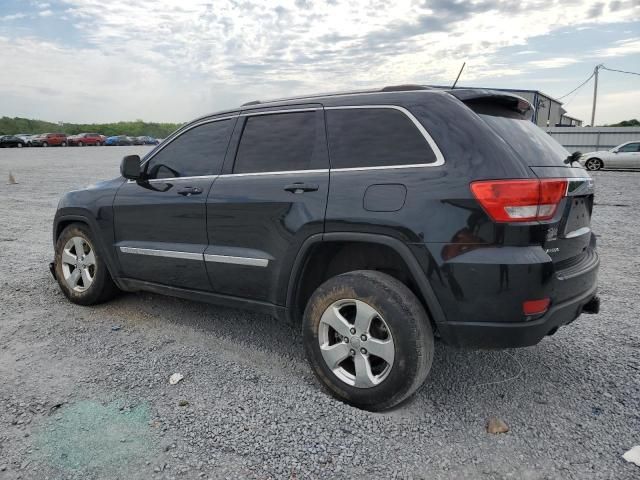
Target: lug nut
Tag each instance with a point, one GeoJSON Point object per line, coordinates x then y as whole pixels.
{"type": "Point", "coordinates": [345, 339]}
{"type": "Point", "coordinates": [363, 337]}
{"type": "Point", "coordinates": [352, 352]}
{"type": "Point", "coordinates": [353, 331]}
{"type": "Point", "coordinates": [363, 351]}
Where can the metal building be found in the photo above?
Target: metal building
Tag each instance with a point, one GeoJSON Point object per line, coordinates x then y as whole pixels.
{"type": "Point", "coordinates": [548, 110]}
{"type": "Point", "coordinates": [589, 139]}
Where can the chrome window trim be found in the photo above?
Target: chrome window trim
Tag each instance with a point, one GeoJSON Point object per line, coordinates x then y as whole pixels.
{"type": "Point", "coordinates": [250, 261]}
{"type": "Point", "coordinates": [162, 253]}
{"type": "Point", "coordinates": [430, 141]}
{"type": "Point", "coordinates": [179, 134]}
{"type": "Point", "coordinates": [283, 172]}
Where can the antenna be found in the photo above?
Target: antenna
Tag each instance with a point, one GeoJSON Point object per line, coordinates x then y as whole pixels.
{"type": "Point", "coordinates": [459, 73]}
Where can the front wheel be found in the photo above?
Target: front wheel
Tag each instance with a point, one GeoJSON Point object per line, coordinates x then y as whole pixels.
{"type": "Point", "coordinates": [80, 144]}
{"type": "Point", "coordinates": [80, 269]}
{"type": "Point", "coordinates": [19, 145]}
{"type": "Point", "coordinates": [594, 164]}
{"type": "Point", "coordinates": [45, 144]}
{"type": "Point", "coordinates": [368, 339]}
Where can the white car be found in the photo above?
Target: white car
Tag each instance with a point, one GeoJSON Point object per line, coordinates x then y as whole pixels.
{"type": "Point", "coordinates": [626, 155]}
{"type": "Point", "coordinates": [26, 137]}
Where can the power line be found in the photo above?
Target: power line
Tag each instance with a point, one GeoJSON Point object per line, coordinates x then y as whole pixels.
{"type": "Point", "coordinates": [619, 71]}
{"type": "Point", "coordinates": [578, 87]}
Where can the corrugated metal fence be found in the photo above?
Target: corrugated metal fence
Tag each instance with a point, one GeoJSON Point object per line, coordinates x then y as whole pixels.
{"type": "Point", "coordinates": [588, 139]}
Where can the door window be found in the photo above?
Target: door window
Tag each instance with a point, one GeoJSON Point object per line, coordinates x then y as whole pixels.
{"type": "Point", "coordinates": [375, 137]}
{"type": "Point", "coordinates": [279, 142]}
{"type": "Point", "coordinates": [630, 147]}
{"type": "Point", "coordinates": [196, 152]}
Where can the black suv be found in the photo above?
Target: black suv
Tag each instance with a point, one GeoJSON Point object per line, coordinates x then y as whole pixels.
{"type": "Point", "coordinates": [374, 220]}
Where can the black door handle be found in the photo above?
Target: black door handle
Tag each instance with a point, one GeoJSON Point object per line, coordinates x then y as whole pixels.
{"type": "Point", "coordinates": [300, 187]}
{"type": "Point", "coordinates": [188, 191]}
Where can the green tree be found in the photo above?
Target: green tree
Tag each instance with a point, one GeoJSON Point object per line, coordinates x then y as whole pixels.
{"type": "Point", "coordinates": [11, 126]}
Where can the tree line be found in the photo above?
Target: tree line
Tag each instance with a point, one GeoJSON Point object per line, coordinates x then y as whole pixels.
{"type": "Point", "coordinates": [12, 126]}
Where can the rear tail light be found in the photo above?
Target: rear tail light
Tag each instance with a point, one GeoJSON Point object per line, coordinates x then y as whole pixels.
{"type": "Point", "coordinates": [520, 200]}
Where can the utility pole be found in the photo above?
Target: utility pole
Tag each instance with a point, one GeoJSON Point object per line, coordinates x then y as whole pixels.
{"type": "Point", "coordinates": [595, 94]}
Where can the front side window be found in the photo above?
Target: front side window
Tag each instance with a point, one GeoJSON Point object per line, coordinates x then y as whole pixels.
{"type": "Point", "coordinates": [630, 147]}
{"type": "Point", "coordinates": [375, 137]}
{"type": "Point", "coordinates": [196, 152]}
{"type": "Point", "coordinates": [278, 142]}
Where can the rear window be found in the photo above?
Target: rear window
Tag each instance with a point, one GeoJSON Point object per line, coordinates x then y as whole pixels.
{"type": "Point", "coordinates": [375, 137]}
{"type": "Point", "coordinates": [533, 145]}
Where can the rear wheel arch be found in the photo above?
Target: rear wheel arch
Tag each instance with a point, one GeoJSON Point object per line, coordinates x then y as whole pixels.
{"type": "Point", "coordinates": [324, 256]}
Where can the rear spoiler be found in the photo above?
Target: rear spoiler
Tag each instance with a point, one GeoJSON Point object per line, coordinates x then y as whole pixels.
{"type": "Point", "coordinates": [481, 100]}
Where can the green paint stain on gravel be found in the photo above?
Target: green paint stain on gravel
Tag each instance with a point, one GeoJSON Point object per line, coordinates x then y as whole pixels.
{"type": "Point", "coordinates": [90, 436]}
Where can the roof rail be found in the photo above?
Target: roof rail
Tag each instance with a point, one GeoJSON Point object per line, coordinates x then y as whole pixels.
{"type": "Point", "coordinates": [252, 102]}
{"type": "Point", "coordinates": [404, 88]}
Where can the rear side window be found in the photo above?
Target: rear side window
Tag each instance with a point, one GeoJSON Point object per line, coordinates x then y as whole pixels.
{"type": "Point", "coordinates": [278, 142]}
{"type": "Point", "coordinates": [375, 137]}
{"type": "Point", "coordinates": [196, 152]}
{"type": "Point", "coordinates": [534, 146]}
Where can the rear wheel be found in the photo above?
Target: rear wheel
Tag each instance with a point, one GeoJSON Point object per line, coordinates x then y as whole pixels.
{"type": "Point", "coordinates": [19, 145]}
{"type": "Point", "coordinates": [45, 144]}
{"type": "Point", "coordinates": [79, 144]}
{"type": "Point", "coordinates": [81, 272]}
{"type": "Point", "coordinates": [63, 144]}
{"type": "Point", "coordinates": [594, 164]}
{"type": "Point", "coordinates": [368, 339]}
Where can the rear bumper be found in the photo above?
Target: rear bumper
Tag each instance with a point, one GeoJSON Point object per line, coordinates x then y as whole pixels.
{"type": "Point", "coordinates": [516, 334]}
{"type": "Point", "coordinates": [481, 293]}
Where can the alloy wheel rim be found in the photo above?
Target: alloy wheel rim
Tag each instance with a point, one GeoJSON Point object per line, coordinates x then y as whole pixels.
{"type": "Point", "coordinates": [356, 343]}
{"type": "Point", "coordinates": [78, 264]}
{"type": "Point", "coordinates": [592, 165]}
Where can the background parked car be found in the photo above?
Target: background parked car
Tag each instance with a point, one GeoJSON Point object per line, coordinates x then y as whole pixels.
{"type": "Point", "coordinates": [136, 141]}
{"type": "Point", "coordinates": [626, 155]}
{"type": "Point", "coordinates": [148, 140]}
{"type": "Point", "coordinates": [83, 139]}
{"type": "Point", "coordinates": [26, 138]}
{"type": "Point", "coordinates": [49, 140]}
{"type": "Point", "coordinates": [118, 140]}
{"type": "Point", "coordinates": [7, 141]}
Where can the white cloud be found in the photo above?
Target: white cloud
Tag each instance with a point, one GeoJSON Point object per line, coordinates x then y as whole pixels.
{"type": "Point", "coordinates": [554, 62]}
{"type": "Point", "coordinates": [620, 48]}
{"type": "Point", "coordinates": [13, 16]}
{"type": "Point", "coordinates": [45, 13]}
{"type": "Point", "coordinates": [167, 60]}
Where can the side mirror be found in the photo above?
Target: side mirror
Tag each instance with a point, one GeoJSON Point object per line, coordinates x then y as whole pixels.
{"type": "Point", "coordinates": [130, 167]}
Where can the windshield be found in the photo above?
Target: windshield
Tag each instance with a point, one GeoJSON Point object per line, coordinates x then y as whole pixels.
{"type": "Point", "coordinates": [534, 146]}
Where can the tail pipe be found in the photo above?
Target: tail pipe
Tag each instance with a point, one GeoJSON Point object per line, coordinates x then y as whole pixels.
{"type": "Point", "coordinates": [592, 306]}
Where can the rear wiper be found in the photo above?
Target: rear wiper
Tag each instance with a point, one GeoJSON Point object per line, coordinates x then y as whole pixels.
{"type": "Point", "coordinates": [574, 157]}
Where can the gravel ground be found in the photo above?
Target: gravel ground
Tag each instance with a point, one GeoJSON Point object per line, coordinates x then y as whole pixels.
{"type": "Point", "coordinates": [84, 392]}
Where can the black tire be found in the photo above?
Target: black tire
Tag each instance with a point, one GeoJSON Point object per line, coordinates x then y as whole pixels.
{"type": "Point", "coordinates": [594, 164]}
{"type": "Point", "coordinates": [102, 287]}
{"type": "Point", "coordinates": [63, 144]}
{"type": "Point", "coordinates": [45, 144]}
{"type": "Point", "coordinates": [408, 325]}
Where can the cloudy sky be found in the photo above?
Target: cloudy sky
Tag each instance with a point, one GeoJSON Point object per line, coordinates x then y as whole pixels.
{"type": "Point", "coordinates": [171, 60]}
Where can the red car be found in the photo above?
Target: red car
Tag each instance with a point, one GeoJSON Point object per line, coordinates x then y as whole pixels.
{"type": "Point", "coordinates": [83, 139]}
{"type": "Point", "coordinates": [49, 140]}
